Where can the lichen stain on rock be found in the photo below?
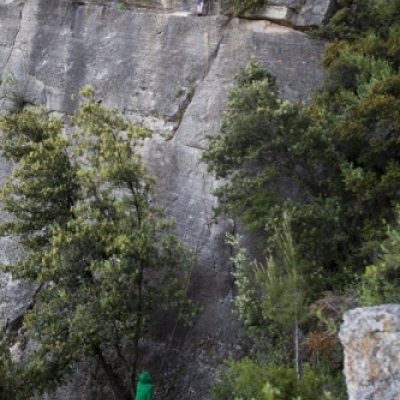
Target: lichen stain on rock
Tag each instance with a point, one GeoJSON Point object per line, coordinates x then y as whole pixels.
{"type": "Point", "coordinates": [372, 352]}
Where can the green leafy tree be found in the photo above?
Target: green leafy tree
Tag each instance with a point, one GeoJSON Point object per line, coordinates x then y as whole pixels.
{"type": "Point", "coordinates": [380, 282]}
{"type": "Point", "coordinates": [249, 379]}
{"type": "Point", "coordinates": [268, 343]}
{"type": "Point", "coordinates": [355, 18]}
{"type": "Point", "coordinates": [11, 377]}
{"type": "Point", "coordinates": [276, 292]}
{"type": "Point", "coordinates": [361, 94]}
{"type": "Point", "coordinates": [285, 299]}
{"type": "Point", "coordinates": [276, 160]}
{"type": "Point", "coordinates": [333, 167]}
{"type": "Point", "coordinates": [82, 208]}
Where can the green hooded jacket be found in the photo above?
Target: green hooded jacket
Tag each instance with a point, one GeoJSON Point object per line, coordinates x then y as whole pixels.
{"type": "Point", "coordinates": [144, 389]}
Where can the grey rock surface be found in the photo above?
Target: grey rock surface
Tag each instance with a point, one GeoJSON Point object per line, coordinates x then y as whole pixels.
{"type": "Point", "coordinates": [371, 340]}
{"type": "Point", "coordinates": [15, 297]}
{"type": "Point", "coordinates": [170, 71]}
{"type": "Point", "coordinates": [297, 13]}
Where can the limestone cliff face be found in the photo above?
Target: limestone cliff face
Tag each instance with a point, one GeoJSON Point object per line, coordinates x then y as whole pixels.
{"type": "Point", "coordinates": [371, 340]}
{"type": "Point", "coordinates": [170, 70]}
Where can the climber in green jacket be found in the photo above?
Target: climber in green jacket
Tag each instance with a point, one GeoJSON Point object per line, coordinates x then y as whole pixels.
{"type": "Point", "coordinates": [144, 389]}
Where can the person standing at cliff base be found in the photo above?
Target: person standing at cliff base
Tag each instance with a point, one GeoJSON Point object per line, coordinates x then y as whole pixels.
{"type": "Point", "coordinates": [144, 390]}
{"type": "Point", "coordinates": [200, 5]}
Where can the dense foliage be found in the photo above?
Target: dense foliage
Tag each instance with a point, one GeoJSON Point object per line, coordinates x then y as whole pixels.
{"type": "Point", "coordinates": [381, 281]}
{"type": "Point", "coordinates": [358, 18]}
{"type": "Point", "coordinates": [249, 379]}
{"type": "Point", "coordinates": [332, 166]}
{"type": "Point", "coordinates": [275, 293]}
{"type": "Point", "coordinates": [333, 169]}
{"type": "Point", "coordinates": [242, 6]}
{"type": "Point", "coordinates": [11, 373]}
{"type": "Point", "coordinates": [91, 236]}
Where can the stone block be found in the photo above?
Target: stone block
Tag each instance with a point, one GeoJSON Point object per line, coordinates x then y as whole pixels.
{"type": "Point", "coordinates": [371, 340]}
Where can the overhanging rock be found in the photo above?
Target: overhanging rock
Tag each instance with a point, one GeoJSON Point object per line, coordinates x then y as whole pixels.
{"type": "Point", "coordinates": [295, 13]}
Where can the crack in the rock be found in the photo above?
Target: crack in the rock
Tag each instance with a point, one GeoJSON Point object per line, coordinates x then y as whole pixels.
{"type": "Point", "coordinates": [213, 56]}
{"type": "Point", "coordinates": [194, 146]}
{"type": "Point", "coordinates": [14, 41]}
{"type": "Point", "coordinates": [208, 219]}
{"type": "Point", "coordinates": [13, 327]}
{"type": "Point", "coordinates": [179, 115]}
{"type": "Point", "coordinates": [173, 201]}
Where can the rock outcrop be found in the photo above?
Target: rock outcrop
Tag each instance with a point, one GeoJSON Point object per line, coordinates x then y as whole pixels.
{"type": "Point", "coordinates": [171, 71]}
{"type": "Point", "coordinates": [297, 13]}
{"type": "Point", "coordinates": [16, 297]}
{"type": "Point", "coordinates": [371, 340]}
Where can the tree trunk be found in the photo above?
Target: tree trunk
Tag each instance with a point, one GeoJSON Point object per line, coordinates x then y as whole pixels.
{"type": "Point", "coordinates": [138, 330]}
{"type": "Point", "coordinates": [112, 378]}
{"type": "Point", "coordinates": [297, 350]}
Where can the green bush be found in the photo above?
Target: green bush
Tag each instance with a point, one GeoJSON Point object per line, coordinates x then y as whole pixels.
{"type": "Point", "coordinates": [13, 93]}
{"type": "Point", "coordinates": [244, 378]}
{"type": "Point", "coordinates": [241, 6]}
{"type": "Point", "coordinates": [122, 6]}
{"type": "Point", "coordinates": [11, 374]}
{"type": "Point", "coordinates": [356, 18]}
{"type": "Point", "coordinates": [247, 379]}
{"type": "Point", "coordinates": [380, 282]}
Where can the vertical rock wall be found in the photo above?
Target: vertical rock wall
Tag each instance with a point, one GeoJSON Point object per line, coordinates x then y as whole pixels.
{"type": "Point", "coordinates": [170, 71]}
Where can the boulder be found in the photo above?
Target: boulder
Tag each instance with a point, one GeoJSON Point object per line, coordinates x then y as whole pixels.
{"type": "Point", "coordinates": [371, 340]}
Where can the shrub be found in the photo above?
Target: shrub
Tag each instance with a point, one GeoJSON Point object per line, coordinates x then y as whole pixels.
{"type": "Point", "coordinates": [241, 6]}
{"type": "Point", "coordinates": [248, 379]}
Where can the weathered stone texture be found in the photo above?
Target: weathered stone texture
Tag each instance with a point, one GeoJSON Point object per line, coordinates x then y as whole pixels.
{"type": "Point", "coordinates": [371, 340]}
{"type": "Point", "coordinates": [171, 72]}
{"type": "Point", "coordinates": [300, 14]}
{"type": "Point", "coordinates": [9, 28]}
{"type": "Point", "coordinates": [15, 298]}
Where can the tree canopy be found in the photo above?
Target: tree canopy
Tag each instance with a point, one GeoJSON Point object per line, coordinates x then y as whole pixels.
{"type": "Point", "coordinates": [82, 209]}
{"type": "Point", "coordinates": [332, 166]}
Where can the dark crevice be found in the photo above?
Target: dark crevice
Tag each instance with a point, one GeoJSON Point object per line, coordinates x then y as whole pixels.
{"type": "Point", "coordinates": [178, 116]}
